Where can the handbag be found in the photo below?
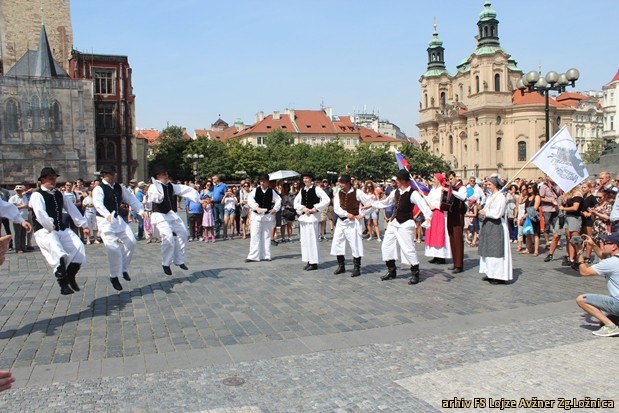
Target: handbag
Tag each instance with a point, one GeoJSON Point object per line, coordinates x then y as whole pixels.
{"type": "Point", "coordinates": [244, 211]}
{"type": "Point", "coordinates": [527, 228]}
{"type": "Point", "coordinates": [289, 213]}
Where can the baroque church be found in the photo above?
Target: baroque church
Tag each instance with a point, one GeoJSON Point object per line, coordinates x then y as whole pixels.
{"type": "Point", "coordinates": [476, 118]}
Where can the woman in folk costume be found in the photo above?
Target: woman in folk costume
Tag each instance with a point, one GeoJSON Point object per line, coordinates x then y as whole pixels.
{"type": "Point", "coordinates": [168, 224]}
{"type": "Point", "coordinates": [495, 256]}
{"type": "Point", "coordinates": [437, 237]}
{"type": "Point", "coordinates": [60, 246]}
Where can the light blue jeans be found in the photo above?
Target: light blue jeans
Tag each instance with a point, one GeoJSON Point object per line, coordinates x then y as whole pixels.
{"type": "Point", "coordinates": [604, 303]}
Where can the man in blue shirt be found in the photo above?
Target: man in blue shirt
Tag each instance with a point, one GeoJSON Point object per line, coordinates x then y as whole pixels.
{"type": "Point", "coordinates": [219, 190]}
{"type": "Point", "coordinates": [598, 305]}
{"type": "Point", "coordinates": [614, 216]}
{"type": "Point", "coordinates": [194, 217]}
{"type": "Point", "coordinates": [139, 194]}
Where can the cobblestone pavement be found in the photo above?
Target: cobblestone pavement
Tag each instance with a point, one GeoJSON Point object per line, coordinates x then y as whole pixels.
{"type": "Point", "coordinates": [230, 336]}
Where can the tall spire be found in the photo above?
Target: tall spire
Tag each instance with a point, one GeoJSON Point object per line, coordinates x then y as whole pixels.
{"type": "Point", "coordinates": [436, 55]}
{"type": "Point", "coordinates": [45, 65]}
{"type": "Point", "coordinates": [488, 27]}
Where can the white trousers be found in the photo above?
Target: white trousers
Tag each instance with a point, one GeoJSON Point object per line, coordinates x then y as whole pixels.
{"type": "Point", "coordinates": [260, 238]}
{"type": "Point", "coordinates": [309, 242]}
{"type": "Point", "coordinates": [172, 247]}
{"type": "Point", "coordinates": [119, 246]}
{"type": "Point", "coordinates": [348, 232]}
{"type": "Point", "coordinates": [58, 244]}
{"type": "Point", "coordinates": [400, 236]}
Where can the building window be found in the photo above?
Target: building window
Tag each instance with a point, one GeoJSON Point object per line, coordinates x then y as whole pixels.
{"type": "Point", "coordinates": [443, 102]}
{"type": "Point", "coordinates": [477, 144]}
{"type": "Point", "coordinates": [313, 140]}
{"type": "Point", "coordinates": [11, 118]}
{"type": "Point", "coordinates": [35, 112]}
{"type": "Point", "coordinates": [348, 141]}
{"type": "Point", "coordinates": [260, 140]}
{"type": "Point", "coordinates": [477, 84]}
{"type": "Point", "coordinates": [498, 144]}
{"type": "Point", "coordinates": [106, 151]}
{"type": "Point", "coordinates": [522, 151]}
{"type": "Point", "coordinates": [451, 145]}
{"type": "Point", "coordinates": [425, 99]}
{"type": "Point", "coordinates": [331, 140]}
{"type": "Point", "coordinates": [342, 142]}
{"type": "Point", "coordinates": [104, 82]}
{"type": "Point", "coordinates": [612, 123]}
{"type": "Point", "coordinates": [323, 140]}
{"type": "Point", "coordinates": [56, 117]}
{"type": "Point", "coordinates": [497, 82]}
{"type": "Point", "coordinates": [355, 141]}
{"type": "Point", "coordinates": [105, 118]}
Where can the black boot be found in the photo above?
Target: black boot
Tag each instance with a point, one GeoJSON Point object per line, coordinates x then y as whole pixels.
{"type": "Point", "coordinates": [356, 271]}
{"type": "Point", "coordinates": [72, 270]}
{"type": "Point", "coordinates": [340, 265]}
{"type": "Point", "coordinates": [61, 277]}
{"type": "Point", "coordinates": [414, 275]}
{"type": "Point", "coordinates": [391, 271]}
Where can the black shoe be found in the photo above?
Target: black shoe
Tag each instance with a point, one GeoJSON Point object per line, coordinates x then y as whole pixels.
{"type": "Point", "coordinates": [126, 276]}
{"type": "Point", "coordinates": [274, 243]}
{"type": "Point", "coordinates": [72, 270]}
{"type": "Point", "coordinates": [457, 271]}
{"type": "Point", "coordinates": [440, 261]}
{"type": "Point", "coordinates": [486, 279]}
{"type": "Point", "coordinates": [267, 259]}
{"type": "Point", "coordinates": [306, 266]}
{"type": "Point", "coordinates": [339, 270]}
{"type": "Point", "coordinates": [183, 267]}
{"type": "Point", "coordinates": [312, 267]}
{"type": "Point", "coordinates": [29, 248]}
{"type": "Point", "coordinates": [356, 271]}
{"type": "Point", "coordinates": [548, 258]}
{"type": "Point", "coordinates": [433, 260]}
{"type": "Point", "coordinates": [566, 261]}
{"type": "Point", "coordinates": [248, 260]}
{"type": "Point", "coordinates": [115, 283]}
{"type": "Point", "coordinates": [65, 290]}
{"type": "Point", "coordinates": [414, 275]}
{"type": "Point", "coordinates": [451, 268]}
{"type": "Point", "coordinates": [167, 270]}
{"type": "Point", "coordinates": [493, 281]}
{"type": "Point", "coordinates": [391, 275]}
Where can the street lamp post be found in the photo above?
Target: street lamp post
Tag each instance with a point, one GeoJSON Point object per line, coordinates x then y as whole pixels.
{"type": "Point", "coordinates": [195, 157]}
{"type": "Point", "coordinates": [553, 81]}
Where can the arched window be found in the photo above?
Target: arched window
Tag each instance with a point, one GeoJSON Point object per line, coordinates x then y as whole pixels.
{"type": "Point", "coordinates": [461, 89]}
{"type": "Point", "coordinates": [466, 148]}
{"type": "Point", "coordinates": [425, 99]}
{"type": "Point", "coordinates": [35, 111]}
{"type": "Point", "coordinates": [522, 151]}
{"type": "Point", "coordinates": [56, 117]}
{"type": "Point", "coordinates": [443, 102]}
{"type": "Point", "coordinates": [492, 30]}
{"type": "Point", "coordinates": [497, 82]}
{"type": "Point", "coordinates": [486, 31]}
{"type": "Point", "coordinates": [477, 144]}
{"type": "Point", "coordinates": [110, 151]}
{"type": "Point", "coordinates": [100, 151]}
{"type": "Point", "coordinates": [498, 144]}
{"type": "Point", "coordinates": [11, 119]}
{"type": "Point", "coordinates": [477, 84]}
{"type": "Point", "coordinates": [451, 145]}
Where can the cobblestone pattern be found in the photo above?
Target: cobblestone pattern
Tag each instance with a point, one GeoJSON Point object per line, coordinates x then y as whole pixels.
{"type": "Point", "coordinates": [223, 301]}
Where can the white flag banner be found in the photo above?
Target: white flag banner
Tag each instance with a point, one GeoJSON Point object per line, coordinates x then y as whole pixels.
{"type": "Point", "coordinates": [560, 159]}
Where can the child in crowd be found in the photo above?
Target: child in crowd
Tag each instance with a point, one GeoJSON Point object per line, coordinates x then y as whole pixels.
{"type": "Point", "coordinates": [208, 222]}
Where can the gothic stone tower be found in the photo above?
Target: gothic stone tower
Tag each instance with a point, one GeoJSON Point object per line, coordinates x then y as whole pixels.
{"type": "Point", "coordinates": [20, 23]}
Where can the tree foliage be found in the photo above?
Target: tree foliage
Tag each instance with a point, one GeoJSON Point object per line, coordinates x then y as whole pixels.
{"type": "Point", "coordinates": [233, 160]}
{"type": "Point", "coordinates": [594, 151]}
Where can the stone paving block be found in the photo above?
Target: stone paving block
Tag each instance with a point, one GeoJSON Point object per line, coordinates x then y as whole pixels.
{"type": "Point", "coordinates": [89, 369]}
{"type": "Point", "coordinates": [112, 367]}
{"type": "Point", "coordinates": [66, 372]}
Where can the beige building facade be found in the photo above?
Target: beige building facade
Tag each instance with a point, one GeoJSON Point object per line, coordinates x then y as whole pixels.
{"type": "Point", "coordinates": [476, 118]}
{"type": "Point", "coordinates": [20, 21]}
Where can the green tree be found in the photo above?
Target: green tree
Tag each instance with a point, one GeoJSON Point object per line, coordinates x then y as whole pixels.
{"type": "Point", "coordinates": [421, 160]}
{"type": "Point", "coordinates": [595, 150]}
{"type": "Point", "coordinates": [277, 150]}
{"type": "Point", "coordinates": [168, 153]}
{"type": "Point", "coordinates": [375, 163]}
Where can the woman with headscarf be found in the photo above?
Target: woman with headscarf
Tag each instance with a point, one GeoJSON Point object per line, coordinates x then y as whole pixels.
{"type": "Point", "coordinates": [437, 238]}
{"type": "Point", "coordinates": [495, 259]}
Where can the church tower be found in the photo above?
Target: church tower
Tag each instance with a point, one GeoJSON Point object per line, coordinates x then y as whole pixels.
{"type": "Point", "coordinates": [20, 23]}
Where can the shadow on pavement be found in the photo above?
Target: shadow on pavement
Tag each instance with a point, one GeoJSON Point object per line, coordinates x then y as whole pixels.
{"type": "Point", "coordinates": [104, 306]}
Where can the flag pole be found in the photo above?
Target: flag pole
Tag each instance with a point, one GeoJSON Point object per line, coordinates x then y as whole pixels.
{"type": "Point", "coordinates": [518, 173]}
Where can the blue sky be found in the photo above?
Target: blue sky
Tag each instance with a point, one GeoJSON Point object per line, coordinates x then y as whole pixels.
{"type": "Point", "coordinates": [195, 59]}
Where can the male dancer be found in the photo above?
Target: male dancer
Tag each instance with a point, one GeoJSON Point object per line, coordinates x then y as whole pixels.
{"type": "Point", "coordinates": [171, 227]}
{"type": "Point", "coordinates": [308, 203]}
{"type": "Point", "coordinates": [12, 213]}
{"type": "Point", "coordinates": [62, 248]}
{"type": "Point", "coordinates": [349, 227]}
{"type": "Point", "coordinates": [116, 234]}
{"type": "Point", "coordinates": [264, 203]}
{"type": "Point", "coordinates": [455, 222]}
{"type": "Point", "coordinates": [400, 229]}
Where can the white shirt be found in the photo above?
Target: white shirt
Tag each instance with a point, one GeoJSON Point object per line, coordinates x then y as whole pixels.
{"type": "Point", "coordinates": [37, 203]}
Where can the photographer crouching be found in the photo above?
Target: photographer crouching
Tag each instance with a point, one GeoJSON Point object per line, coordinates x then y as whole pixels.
{"type": "Point", "coordinates": [596, 304]}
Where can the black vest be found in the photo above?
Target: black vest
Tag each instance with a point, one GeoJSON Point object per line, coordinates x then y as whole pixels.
{"type": "Point", "coordinates": [53, 206]}
{"type": "Point", "coordinates": [112, 197]}
{"type": "Point", "coordinates": [349, 202]}
{"type": "Point", "coordinates": [169, 200]}
{"type": "Point", "coordinates": [458, 206]}
{"type": "Point", "coordinates": [309, 198]}
{"type": "Point", "coordinates": [403, 206]}
{"type": "Point", "coordinates": [264, 199]}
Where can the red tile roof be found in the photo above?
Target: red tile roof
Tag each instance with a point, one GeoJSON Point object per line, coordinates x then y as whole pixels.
{"type": "Point", "coordinates": [370, 136]}
{"type": "Point", "coordinates": [151, 135]}
{"type": "Point", "coordinates": [616, 78]}
{"type": "Point", "coordinates": [313, 121]}
{"type": "Point", "coordinates": [533, 98]}
{"type": "Point", "coordinates": [215, 134]}
{"type": "Point", "coordinates": [269, 124]}
{"type": "Point", "coordinates": [345, 125]}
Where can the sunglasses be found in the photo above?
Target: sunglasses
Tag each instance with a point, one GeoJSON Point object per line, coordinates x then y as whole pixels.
{"type": "Point", "coordinates": [608, 243]}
